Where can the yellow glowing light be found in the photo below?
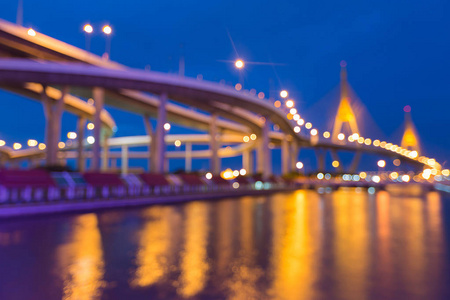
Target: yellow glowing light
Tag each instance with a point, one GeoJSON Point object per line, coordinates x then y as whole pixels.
{"type": "Point", "coordinates": [389, 146]}
{"type": "Point", "coordinates": [360, 140]}
{"type": "Point", "coordinates": [299, 165]}
{"type": "Point", "coordinates": [308, 125]}
{"type": "Point", "coordinates": [17, 146]}
{"type": "Point", "coordinates": [235, 173]}
{"type": "Point", "coordinates": [235, 185]}
{"type": "Point", "coordinates": [283, 94]}
{"type": "Point", "coordinates": [90, 140]}
{"type": "Point", "coordinates": [177, 143]}
{"type": "Point", "coordinates": [88, 28]}
{"type": "Point", "coordinates": [383, 144]}
{"type": "Point", "coordinates": [405, 178]}
{"type": "Point", "coordinates": [313, 132]}
{"type": "Point", "coordinates": [376, 143]}
{"type": "Point", "coordinates": [367, 141]}
{"type": "Point", "coordinates": [293, 111]}
{"type": "Point", "coordinates": [446, 172]}
{"type": "Point", "coordinates": [107, 29]}
{"type": "Point", "coordinates": [42, 146]}
{"type": "Point", "coordinates": [289, 116]}
{"type": "Point", "coordinates": [239, 64]}
{"type": "Point", "coordinates": [253, 136]}
{"type": "Point", "coordinates": [277, 103]}
{"type": "Point", "coordinates": [32, 143]}
{"type": "Point", "coordinates": [227, 174]}
{"type": "Point", "coordinates": [397, 162]}
{"type": "Point", "coordinates": [326, 134]}
{"type": "Point", "coordinates": [431, 162]}
{"type": "Point", "coordinates": [301, 122]}
{"type": "Point", "coordinates": [363, 175]}
{"type": "Point", "coordinates": [61, 145]}
{"type": "Point", "coordinates": [71, 135]}
{"type": "Point", "coordinates": [208, 176]}
{"type": "Point", "coordinates": [90, 126]}
{"type": "Point", "coordinates": [238, 86]}
{"type": "Point", "coordinates": [341, 136]}
{"type": "Point", "coordinates": [297, 129]}
{"type": "Point", "coordinates": [393, 175]}
{"type": "Point", "coordinates": [242, 172]}
{"type": "Point", "coordinates": [335, 163]}
{"type": "Point", "coordinates": [289, 103]}
{"type": "Point", "coordinates": [246, 139]}
{"type": "Point", "coordinates": [381, 163]}
{"type": "Point", "coordinates": [2, 143]}
{"type": "Point", "coordinates": [167, 126]}
{"type": "Point", "coordinates": [31, 32]}
{"type": "Point", "coordinates": [355, 136]}
{"type": "Point", "coordinates": [350, 138]}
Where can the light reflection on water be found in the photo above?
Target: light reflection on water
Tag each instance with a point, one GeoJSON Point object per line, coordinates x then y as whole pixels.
{"type": "Point", "coordinates": [300, 245]}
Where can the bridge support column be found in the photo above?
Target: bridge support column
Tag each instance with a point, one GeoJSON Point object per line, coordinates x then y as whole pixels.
{"type": "Point", "coordinates": [80, 137]}
{"type": "Point", "coordinates": [355, 162]}
{"type": "Point", "coordinates": [124, 160]}
{"type": "Point", "coordinates": [114, 163]}
{"type": "Point", "coordinates": [151, 145]}
{"type": "Point", "coordinates": [246, 164]}
{"type": "Point", "coordinates": [264, 157]}
{"type": "Point", "coordinates": [53, 114]}
{"type": "Point", "coordinates": [294, 155]}
{"type": "Point", "coordinates": [214, 145]}
{"type": "Point", "coordinates": [320, 157]}
{"type": "Point", "coordinates": [98, 95]}
{"type": "Point", "coordinates": [188, 158]}
{"type": "Point", "coordinates": [285, 165]}
{"type": "Point", "coordinates": [335, 157]}
{"type": "Point", "coordinates": [105, 153]}
{"type": "Point", "coordinates": [160, 144]}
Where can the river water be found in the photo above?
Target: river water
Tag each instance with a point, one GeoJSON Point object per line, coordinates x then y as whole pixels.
{"type": "Point", "coordinates": [298, 245]}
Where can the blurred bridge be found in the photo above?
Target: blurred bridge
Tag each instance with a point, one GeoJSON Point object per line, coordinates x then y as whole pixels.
{"type": "Point", "coordinates": [235, 122]}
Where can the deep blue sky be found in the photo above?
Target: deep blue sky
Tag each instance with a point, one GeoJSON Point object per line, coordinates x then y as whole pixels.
{"type": "Point", "coordinates": [398, 53]}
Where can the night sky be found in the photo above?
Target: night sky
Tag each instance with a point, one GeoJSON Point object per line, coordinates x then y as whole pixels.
{"type": "Point", "coordinates": [398, 53]}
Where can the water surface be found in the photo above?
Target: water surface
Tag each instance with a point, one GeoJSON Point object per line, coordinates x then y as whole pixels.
{"type": "Point", "coordinates": [300, 245]}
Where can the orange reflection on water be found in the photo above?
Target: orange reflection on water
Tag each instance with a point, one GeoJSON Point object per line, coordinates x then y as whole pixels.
{"type": "Point", "coordinates": [81, 260]}
{"type": "Point", "coordinates": [295, 220]}
{"type": "Point", "coordinates": [245, 273]}
{"type": "Point", "coordinates": [194, 265]}
{"type": "Point", "coordinates": [351, 243]}
{"type": "Point", "coordinates": [154, 242]}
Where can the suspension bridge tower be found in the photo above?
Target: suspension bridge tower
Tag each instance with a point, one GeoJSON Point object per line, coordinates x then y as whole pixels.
{"type": "Point", "coordinates": [410, 139]}
{"type": "Point", "coordinates": [345, 113]}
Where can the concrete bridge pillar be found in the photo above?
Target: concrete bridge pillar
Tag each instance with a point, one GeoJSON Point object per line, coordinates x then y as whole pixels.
{"type": "Point", "coordinates": [188, 158]}
{"type": "Point", "coordinates": [53, 114]}
{"type": "Point", "coordinates": [320, 157]}
{"type": "Point", "coordinates": [151, 146]}
{"type": "Point", "coordinates": [124, 159]}
{"type": "Point", "coordinates": [214, 145]}
{"type": "Point", "coordinates": [80, 136]}
{"type": "Point", "coordinates": [99, 98]}
{"type": "Point", "coordinates": [105, 153]}
{"type": "Point", "coordinates": [294, 155]}
{"type": "Point", "coordinates": [160, 144]}
{"type": "Point", "coordinates": [264, 157]}
{"type": "Point", "coordinates": [285, 165]}
{"type": "Point", "coordinates": [335, 157]}
{"type": "Point", "coordinates": [246, 161]}
{"type": "Point", "coordinates": [355, 162]}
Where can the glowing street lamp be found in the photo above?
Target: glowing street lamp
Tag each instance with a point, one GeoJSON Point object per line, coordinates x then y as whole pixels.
{"type": "Point", "coordinates": [239, 64]}
{"type": "Point", "coordinates": [108, 31]}
{"type": "Point", "coordinates": [284, 94]}
{"type": "Point", "coordinates": [88, 29]}
{"type": "Point", "coordinates": [381, 163]}
{"type": "Point", "coordinates": [31, 32]}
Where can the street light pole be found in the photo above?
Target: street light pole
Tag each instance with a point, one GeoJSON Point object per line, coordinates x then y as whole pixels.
{"type": "Point", "coordinates": [88, 31]}
{"type": "Point", "coordinates": [107, 30]}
